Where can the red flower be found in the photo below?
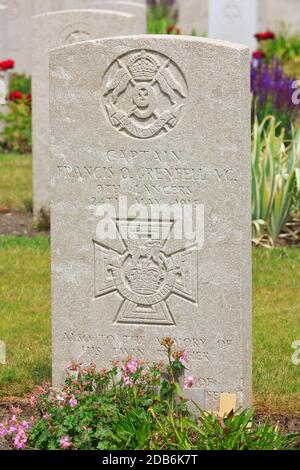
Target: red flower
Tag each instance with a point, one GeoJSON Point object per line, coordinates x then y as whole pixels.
{"type": "Point", "coordinates": [173, 29]}
{"type": "Point", "coordinates": [265, 36]}
{"type": "Point", "coordinates": [15, 96]}
{"type": "Point", "coordinates": [258, 55]}
{"type": "Point", "coordinates": [7, 64]}
{"type": "Point", "coordinates": [29, 97]}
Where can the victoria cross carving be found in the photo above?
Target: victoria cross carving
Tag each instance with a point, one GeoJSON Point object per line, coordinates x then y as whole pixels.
{"type": "Point", "coordinates": [144, 93]}
{"type": "Point", "coordinates": [144, 276]}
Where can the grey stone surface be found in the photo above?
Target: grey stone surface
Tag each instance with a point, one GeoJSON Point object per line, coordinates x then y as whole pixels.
{"type": "Point", "coordinates": [18, 44]}
{"type": "Point", "coordinates": [50, 31]}
{"type": "Point", "coordinates": [136, 8]}
{"type": "Point", "coordinates": [274, 13]}
{"type": "Point", "coordinates": [193, 16]}
{"type": "Point", "coordinates": [233, 20]}
{"type": "Point", "coordinates": [2, 31]}
{"type": "Point", "coordinates": [118, 130]}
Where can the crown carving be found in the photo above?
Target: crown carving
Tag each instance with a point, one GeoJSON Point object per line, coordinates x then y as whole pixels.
{"type": "Point", "coordinates": [145, 277]}
{"type": "Point", "coordinates": [143, 66]}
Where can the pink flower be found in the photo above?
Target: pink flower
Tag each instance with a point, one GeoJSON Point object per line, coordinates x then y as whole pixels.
{"type": "Point", "coordinates": [189, 382]}
{"type": "Point", "coordinates": [131, 366]}
{"type": "Point", "coordinates": [3, 430]}
{"type": "Point", "coordinates": [20, 440]}
{"type": "Point", "coordinates": [65, 442]}
{"type": "Point", "coordinates": [24, 425]}
{"type": "Point", "coordinates": [32, 401]}
{"type": "Point", "coordinates": [46, 416]}
{"type": "Point", "coordinates": [184, 358]}
{"type": "Point", "coordinates": [127, 381]}
{"type": "Point", "coordinates": [73, 402]}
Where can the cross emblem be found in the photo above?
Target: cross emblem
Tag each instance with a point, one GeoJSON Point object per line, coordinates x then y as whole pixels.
{"type": "Point", "coordinates": [143, 275]}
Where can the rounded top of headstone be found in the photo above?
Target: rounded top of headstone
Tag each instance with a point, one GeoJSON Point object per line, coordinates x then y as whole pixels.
{"type": "Point", "coordinates": [161, 39]}
{"type": "Point", "coordinates": [83, 12]}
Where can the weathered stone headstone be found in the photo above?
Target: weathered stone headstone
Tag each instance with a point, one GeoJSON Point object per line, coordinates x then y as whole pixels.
{"type": "Point", "coordinates": [18, 29]}
{"type": "Point", "coordinates": [233, 20]}
{"type": "Point", "coordinates": [136, 8]}
{"type": "Point", "coordinates": [193, 16]}
{"type": "Point", "coordinates": [2, 31]}
{"type": "Point", "coordinates": [273, 14]}
{"type": "Point", "coordinates": [148, 132]}
{"type": "Point", "coordinates": [2, 353]}
{"type": "Point", "coordinates": [3, 91]}
{"type": "Point", "coordinates": [50, 31]}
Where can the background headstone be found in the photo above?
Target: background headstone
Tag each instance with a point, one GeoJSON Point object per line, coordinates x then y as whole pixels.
{"type": "Point", "coordinates": [2, 31]}
{"type": "Point", "coordinates": [193, 16]}
{"type": "Point", "coordinates": [19, 29]}
{"type": "Point", "coordinates": [131, 118]}
{"type": "Point", "coordinates": [234, 21]}
{"type": "Point", "coordinates": [135, 7]}
{"type": "Point", "coordinates": [50, 31]}
{"type": "Point", "coordinates": [273, 14]}
{"type": "Point", "coordinates": [2, 353]}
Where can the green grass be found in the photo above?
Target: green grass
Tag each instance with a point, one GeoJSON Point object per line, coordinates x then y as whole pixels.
{"type": "Point", "coordinates": [25, 320]}
{"type": "Point", "coordinates": [24, 313]}
{"type": "Point", "coordinates": [276, 325]}
{"type": "Point", "coordinates": [15, 182]}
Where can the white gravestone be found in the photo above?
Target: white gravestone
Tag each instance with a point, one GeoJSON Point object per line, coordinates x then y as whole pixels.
{"type": "Point", "coordinates": [2, 353]}
{"type": "Point", "coordinates": [138, 9]}
{"type": "Point", "coordinates": [3, 91]}
{"type": "Point", "coordinates": [273, 14]}
{"type": "Point", "coordinates": [159, 125]}
{"type": "Point", "coordinates": [193, 16]}
{"type": "Point", "coordinates": [50, 31]}
{"type": "Point", "coordinates": [234, 21]}
{"type": "Point", "coordinates": [2, 31]}
{"type": "Point", "coordinates": [19, 30]}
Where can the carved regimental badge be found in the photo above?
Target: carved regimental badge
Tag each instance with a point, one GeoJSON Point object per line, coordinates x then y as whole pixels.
{"type": "Point", "coordinates": [144, 94]}
{"type": "Point", "coordinates": [144, 276]}
{"type": "Point", "coordinates": [77, 32]}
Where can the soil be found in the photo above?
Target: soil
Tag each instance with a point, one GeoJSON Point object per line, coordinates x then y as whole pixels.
{"type": "Point", "coordinates": [18, 223]}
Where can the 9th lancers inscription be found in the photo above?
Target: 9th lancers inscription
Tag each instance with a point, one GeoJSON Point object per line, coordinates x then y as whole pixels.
{"type": "Point", "coordinates": [151, 232]}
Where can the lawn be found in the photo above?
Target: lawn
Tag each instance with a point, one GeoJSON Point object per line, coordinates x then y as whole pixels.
{"type": "Point", "coordinates": [15, 183]}
{"type": "Point", "coordinates": [25, 320]}
{"type": "Point", "coordinates": [24, 313]}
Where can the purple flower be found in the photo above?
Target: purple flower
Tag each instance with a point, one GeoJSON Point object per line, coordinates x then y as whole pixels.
{"type": "Point", "coordinates": [20, 440]}
{"type": "Point", "coordinates": [73, 402]}
{"type": "Point", "coordinates": [272, 92]}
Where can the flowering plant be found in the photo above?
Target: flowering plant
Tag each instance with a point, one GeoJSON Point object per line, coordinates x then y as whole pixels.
{"type": "Point", "coordinates": [131, 406]}
{"type": "Point", "coordinates": [283, 47]}
{"type": "Point", "coordinates": [265, 36]}
{"type": "Point", "coordinates": [272, 93]}
{"type": "Point", "coordinates": [16, 134]}
{"type": "Point", "coordinates": [162, 17]}
{"type": "Point", "coordinates": [7, 65]}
